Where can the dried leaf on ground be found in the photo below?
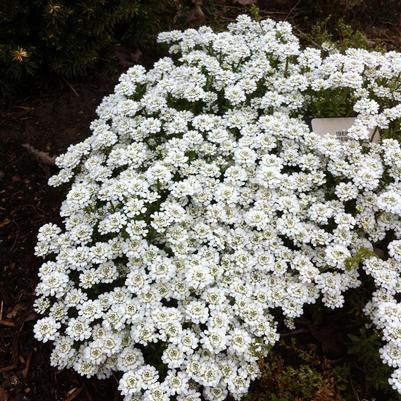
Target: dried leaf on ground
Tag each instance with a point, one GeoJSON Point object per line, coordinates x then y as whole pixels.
{"type": "Point", "coordinates": [196, 14]}
{"type": "Point", "coordinates": [16, 310]}
{"type": "Point", "coordinates": [4, 223]}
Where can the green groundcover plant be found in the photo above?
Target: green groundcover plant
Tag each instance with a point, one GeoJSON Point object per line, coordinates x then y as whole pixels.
{"type": "Point", "coordinates": [203, 210]}
{"type": "Point", "coordinates": [68, 38]}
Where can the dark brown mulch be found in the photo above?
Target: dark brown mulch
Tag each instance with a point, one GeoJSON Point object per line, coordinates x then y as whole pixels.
{"type": "Point", "coordinates": [50, 122]}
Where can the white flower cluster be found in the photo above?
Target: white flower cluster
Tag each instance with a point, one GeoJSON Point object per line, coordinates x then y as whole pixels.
{"type": "Point", "coordinates": [202, 204]}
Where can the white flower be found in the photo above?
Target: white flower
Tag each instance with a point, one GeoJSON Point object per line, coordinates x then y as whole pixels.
{"type": "Point", "coordinates": [46, 329]}
{"type": "Point", "coordinates": [239, 341]}
{"type": "Point", "coordinates": [94, 353]}
{"type": "Point", "coordinates": [89, 310]}
{"type": "Point", "coordinates": [148, 376]}
{"type": "Point", "coordinates": [78, 329]}
{"type": "Point", "coordinates": [197, 312]}
{"type": "Point", "coordinates": [395, 380]}
{"type": "Point", "coordinates": [391, 354]}
{"type": "Point", "coordinates": [173, 357]}
{"type": "Point", "coordinates": [130, 359]}
{"type": "Point", "coordinates": [130, 383]}
{"type": "Point", "coordinates": [395, 250]}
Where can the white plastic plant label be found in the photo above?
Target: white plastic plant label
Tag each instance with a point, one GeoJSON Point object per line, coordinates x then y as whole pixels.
{"type": "Point", "coordinates": [338, 127]}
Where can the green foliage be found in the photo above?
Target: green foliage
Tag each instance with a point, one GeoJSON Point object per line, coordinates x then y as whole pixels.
{"type": "Point", "coordinates": [360, 12]}
{"type": "Point", "coordinates": [363, 371]}
{"type": "Point", "coordinates": [341, 36]}
{"type": "Point", "coordinates": [363, 349]}
{"type": "Point", "coordinates": [254, 12]}
{"type": "Point", "coordinates": [68, 38]}
{"type": "Point", "coordinates": [259, 348]}
{"type": "Point", "coordinates": [331, 103]}
{"type": "Point", "coordinates": [283, 381]}
{"type": "Point", "coordinates": [355, 260]}
{"type": "Point", "coordinates": [295, 370]}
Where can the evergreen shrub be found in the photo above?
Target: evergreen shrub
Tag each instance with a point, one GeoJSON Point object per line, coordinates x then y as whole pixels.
{"type": "Point", "coordinates": [68, 38]}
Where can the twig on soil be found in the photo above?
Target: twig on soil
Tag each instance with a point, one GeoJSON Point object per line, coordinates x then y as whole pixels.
{"type": "Point", "coordinates": [7, 368]}
{"type": "Point", "coordinates": [16, 238]}
{"type": "Point", "coordinates": [353, 389]}
{"type": "Point", "coordinates": [71, 87]}
{"type": "Point", "coordinates": [42, 157]}
{"type": "Point", "coordinates": [7, 323]}
{"type": "Point", "coordinates": [72, 394]}
{"type": "Point", "coordinates": [292, 9]}
{"type": "Point", "coordinates": [304, 35]}
{"type": "Point", "coordinates": [25, 371]}
{"type": "Point", "coordinates": [25, 108]}
{"type": "Point", "coordinates": [294, 332]}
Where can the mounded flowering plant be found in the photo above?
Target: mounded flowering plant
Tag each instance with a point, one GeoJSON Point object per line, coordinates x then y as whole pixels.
{"type": "Point", "coordinates": [203, 207]}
